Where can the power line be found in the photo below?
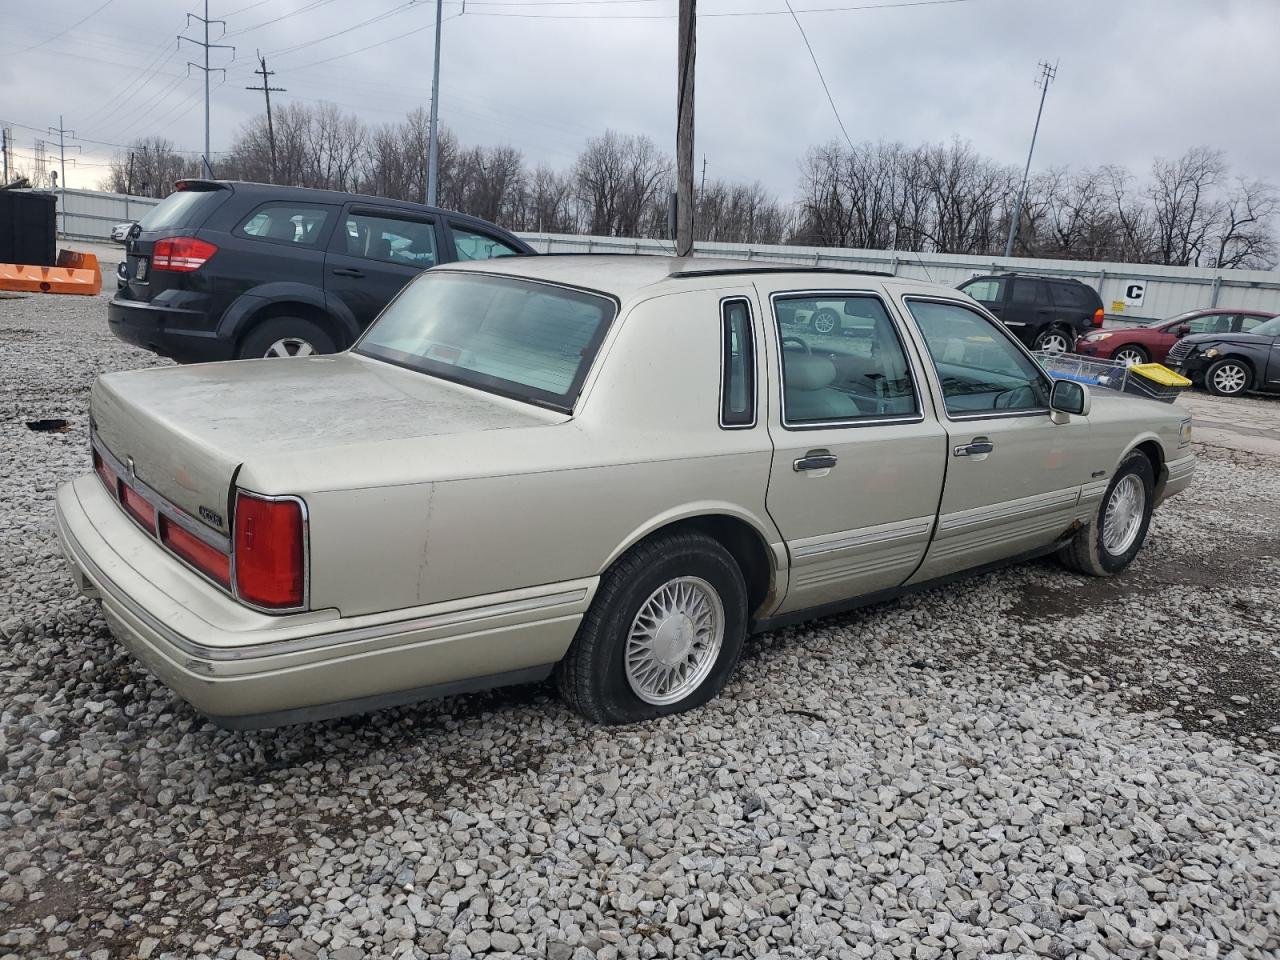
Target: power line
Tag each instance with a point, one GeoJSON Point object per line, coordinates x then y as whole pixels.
{"type": "Point", "coordinates": [825, 88]}
{"type": "Point", "coordinates": [314, 5]}
{"type": "Point", "coordinates": [62, 33]}
{"type": "Point", "coordinates": [345, 30]}
{"type": "Point", "coordinates": [398, 36]}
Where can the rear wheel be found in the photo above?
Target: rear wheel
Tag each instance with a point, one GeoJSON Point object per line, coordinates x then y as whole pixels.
{"type": "Point", "coordinates": [285, 337]}
{"type": "Point", "coordinates": [1228, 378]}
{"type": "Point", "coordinates": [1109, 542]}
{"type": "Point", "coordinates": [1130, 354]}
{"type": "Point", "coordinates": [663, 633]}
{"type": "Point", "coordinates": [1054, 340]}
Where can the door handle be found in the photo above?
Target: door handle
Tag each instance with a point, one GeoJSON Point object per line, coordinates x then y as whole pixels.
{"type": "Point", "coordinates": [978, 447]}
{"type": "Point", "coordinates": [347, 272]}
{"type": "Point", "coordinates": [814, 460]}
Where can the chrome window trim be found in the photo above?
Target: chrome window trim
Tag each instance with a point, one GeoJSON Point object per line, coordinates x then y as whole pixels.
{"type": "Point", "coordinates": [306, 554]}
{"type": "Point", "coordinates": [869, 421]}
{"type": "Point", "coordinates": [931, 364]}
{"type": "Point", "coordinates": [755, 385]}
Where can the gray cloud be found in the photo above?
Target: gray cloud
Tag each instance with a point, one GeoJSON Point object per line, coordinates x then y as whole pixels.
{"type": "Point", "coordinates": [1136, 79]}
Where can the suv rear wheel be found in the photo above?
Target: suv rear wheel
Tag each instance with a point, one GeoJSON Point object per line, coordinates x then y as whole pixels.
{"type": "Point", "coordinates": [1055, 339]}
{"type": "Point", "coordinates": [285, 337]}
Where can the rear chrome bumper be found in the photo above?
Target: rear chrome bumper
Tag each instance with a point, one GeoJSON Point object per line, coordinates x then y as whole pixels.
{"type": "Point", "coordinates": [246, 670]}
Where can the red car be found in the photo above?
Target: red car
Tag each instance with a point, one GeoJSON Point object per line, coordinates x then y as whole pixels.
{"type": "Point", "coordinates": [1152, 343]}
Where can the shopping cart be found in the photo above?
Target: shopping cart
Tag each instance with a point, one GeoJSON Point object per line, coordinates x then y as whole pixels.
{"type": "Point", "coordinates": [1152, 380]}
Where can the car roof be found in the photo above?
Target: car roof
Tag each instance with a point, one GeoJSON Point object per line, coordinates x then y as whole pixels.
{"type": "Point", "coordinates": [253, 190]}
{"type": "Point", "coordinates": [625, 276]}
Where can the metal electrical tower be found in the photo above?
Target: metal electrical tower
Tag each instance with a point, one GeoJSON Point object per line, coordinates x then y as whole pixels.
{"type": "Point", "coordinates": [62, 132]}
{"type": "Point", "coordinates": [266, 92]}
{"type": "Point", "coordinates": [208, 167]}
{"type": "Point", "coordinates": [1047, 73]}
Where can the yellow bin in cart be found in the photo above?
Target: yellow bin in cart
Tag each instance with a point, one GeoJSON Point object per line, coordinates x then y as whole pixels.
{"type": "Point", "coordinates": [1156, 381]}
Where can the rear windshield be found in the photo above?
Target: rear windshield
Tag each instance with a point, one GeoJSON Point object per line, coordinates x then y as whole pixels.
{"type": "Point", "coordinates": [186, 208]}
{"type": "Point", "coordinates": [519, 338]}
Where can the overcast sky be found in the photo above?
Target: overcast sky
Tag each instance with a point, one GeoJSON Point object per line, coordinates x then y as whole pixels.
{"type": "Point", "coordinates": [1136, 78]}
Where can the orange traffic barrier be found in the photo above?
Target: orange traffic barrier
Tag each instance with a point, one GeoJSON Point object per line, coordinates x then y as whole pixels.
{"type": "Point", "coordinates": [76, 273]}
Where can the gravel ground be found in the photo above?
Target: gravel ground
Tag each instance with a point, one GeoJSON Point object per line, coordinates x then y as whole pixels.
{"type": "Point", "coordinates": [1023, 763]}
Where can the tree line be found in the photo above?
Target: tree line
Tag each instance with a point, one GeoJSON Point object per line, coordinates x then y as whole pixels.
{"type": "Point", "coordinates": [943, 198]}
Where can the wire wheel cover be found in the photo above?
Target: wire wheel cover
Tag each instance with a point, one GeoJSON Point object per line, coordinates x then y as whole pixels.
{"type": "Point", "coordinates": [674, 640]}
{"type": "Point", "coordinates": [1123, 517]}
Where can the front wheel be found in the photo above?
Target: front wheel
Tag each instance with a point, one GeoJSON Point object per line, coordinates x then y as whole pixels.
{"type": "Point", "coordinates": [1227, 378]}
{"type": "Point", "coordinates": [1109, 542]}
{"type": "Point", "coordinates": [1054, 340]}
{"type": "Point", "coordinates": [1130, 355]}
{"type": "Point", "coordinates": [663, 633]}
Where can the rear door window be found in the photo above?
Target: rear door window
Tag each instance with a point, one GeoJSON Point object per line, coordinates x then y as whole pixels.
{"type": "Point", "coordinates": [474, 245]}
{"type": "Point", "coordinates": [293, 223]}
{"type": "Point", "coordinates": [410, 243]}
{"type": "Point", "coordinates": [1026, 291]}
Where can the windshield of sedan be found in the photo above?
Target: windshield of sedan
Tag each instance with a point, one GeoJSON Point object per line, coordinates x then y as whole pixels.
{"type": "Point", "coordinates": [1270, 328]}
{"type": "Point", "coordinates": [518, 338]}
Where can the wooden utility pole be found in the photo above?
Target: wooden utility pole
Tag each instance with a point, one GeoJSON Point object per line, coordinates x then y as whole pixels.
{"type": "Point", "coordinates": [684, 128]}
{"type": "Point", "coordinates": [266, 92]}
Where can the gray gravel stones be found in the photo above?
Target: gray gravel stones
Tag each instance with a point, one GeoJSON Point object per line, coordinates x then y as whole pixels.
{"type": "Point", "coordinates": [1020, 764]}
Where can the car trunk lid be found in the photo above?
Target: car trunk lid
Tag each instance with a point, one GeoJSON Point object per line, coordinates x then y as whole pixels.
{"type": "Point", "coordinates": [185, 431]}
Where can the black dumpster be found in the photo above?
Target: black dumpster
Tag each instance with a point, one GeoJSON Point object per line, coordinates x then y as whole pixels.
{"type": "Point", "coordinates": [28, 228]}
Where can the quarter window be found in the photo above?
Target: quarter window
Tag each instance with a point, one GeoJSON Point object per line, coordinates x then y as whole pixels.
{"type": "Point", "coordinates": [986, 291]}
{"type": "Point", "coordinates": [738, 366]}
{"type": "Point", "coordinates": [1070, 295]}
{"type": "Point", "coordinates": [857, 371]}
{"type": "Point", "coordinates": [979, 366]}
{"type": "Point", "coordinates": [299, 223]}
{"type": "Point", "coordinates": [479, 246]}
{"type": "Point", "coordinates": [408, 242]}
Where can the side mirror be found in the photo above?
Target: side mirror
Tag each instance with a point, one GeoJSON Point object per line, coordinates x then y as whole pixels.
{"type": "Point", "coordinates": [1182, 330]}
{"type": "Point", "coordinates": [1068, 396]}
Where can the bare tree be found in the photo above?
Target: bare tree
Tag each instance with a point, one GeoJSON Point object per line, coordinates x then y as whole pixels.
{"type": "Point", "coordinates": [149, 168]}
{"type": "Point", "coordinates": [1245, 235]}
{"type": "Point", "coordinates": [620, 181]}
{"type": "Point", "coordinates": [1184, 206]}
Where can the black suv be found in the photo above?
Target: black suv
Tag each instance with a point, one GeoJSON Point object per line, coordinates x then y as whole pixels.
{"type": "Point", "coordinates": [226, 270]}
{"type": "Point", "coordinates": [1044, 314]}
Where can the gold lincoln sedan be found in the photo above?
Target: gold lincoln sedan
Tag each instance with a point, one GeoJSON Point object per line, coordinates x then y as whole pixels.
{"type": "Point", "coordinates": [610, 469]}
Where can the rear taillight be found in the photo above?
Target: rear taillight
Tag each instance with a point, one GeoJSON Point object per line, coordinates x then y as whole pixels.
{"type": "Point", "coordinates": [138, 508]}
{"type": "Point", "coordinates": [210, 561]}
{"type": "Point", "coordinates": [105, 473]}
{"type": "Point", "coordinates": [270, 551]}
{"type": "Point", "coordinates": [1098, 317]}
{"type": "Point", "coordinates": [181, 254]}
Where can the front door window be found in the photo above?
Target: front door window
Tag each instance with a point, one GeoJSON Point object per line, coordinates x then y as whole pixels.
{"type": "Point", "coordinates": [980, 368]}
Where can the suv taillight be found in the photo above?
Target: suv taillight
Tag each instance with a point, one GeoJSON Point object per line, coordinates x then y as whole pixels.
{"type": "Point", "coordinates": [1098, 317]}
{"type": "Point", "coordinates": [270, 551]}
{"type": "Point", "coordinates": [181, 254]}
